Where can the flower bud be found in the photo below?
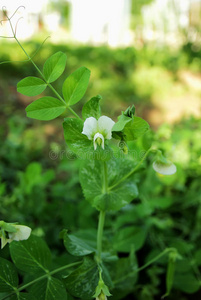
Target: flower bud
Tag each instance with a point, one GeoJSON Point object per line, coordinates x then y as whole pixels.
{"type": "Point", "coordinates": [102, 296]}
{"type": "Point", "coordinates": [163, 166]}
{"type": "Point", "coordinates": [130, 111]}
{"type": "Point", "coordinates": [164, 169]}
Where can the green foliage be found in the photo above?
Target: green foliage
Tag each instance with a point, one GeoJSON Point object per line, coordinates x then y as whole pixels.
{"type": "Point", "coordinates": [117, 196]}
{"type": "Point", "coordinates": [74, 138]}
{"type": "Point", "coordinates": [92, 108]}
{"type": "Point", "coordinates": [130, 128]}
{"type": "Point", "coordinates": [8, 276]}
{"type": "Point", "coordinates": [82, 282]}
{"type": "Point", "coordinates": [80, 244]}
{"type": "Point", "coordinates": [130, 237]}
{"type": "Point", "coordinates": [187, 283]}
{"type": "Point", "coordinates": [22, 296]}
{"type": "Point", "coordinates": [32, 255]}
{"type": "Point", "coordinates": [135, 129]}
{"type": "Point", "coordinates": [50, 288]}
{"type": "Point", "coordinates": [54, 66]}
{"type": "Point", "coordinates": [45, 109]}
{"type": "Point", "coordinates": [166, 211]}
{"type": "Point", "coordinates": [31, 86]}
{"type": "Point", "coordinates": [122, 121]}
{"type": "Point", "coordinates": [141, 216]}
{"type": "Point", "coordinates": [125, 274]}
{"type": "Point", "coordinates": [75, 85]}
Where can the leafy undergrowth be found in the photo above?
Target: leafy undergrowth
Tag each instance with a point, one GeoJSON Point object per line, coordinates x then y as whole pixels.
{"type": "Point", "coordinates": [40, 187]}
{"type": "Point", "coordinates": [39, 180]}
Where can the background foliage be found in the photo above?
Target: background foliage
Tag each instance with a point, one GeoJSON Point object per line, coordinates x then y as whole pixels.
{"type": "Point", "coordinates": [39, 184]}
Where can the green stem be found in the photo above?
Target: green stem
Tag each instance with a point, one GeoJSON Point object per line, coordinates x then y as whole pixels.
{"type": "Point", "coordinates": [166, 251]}
{"type": "Point", "coordinates": [130, 173]}
{"type": "Point", "coordinates": [102, 214]}
{"type": "Point", "coordinates": [74, 113]}
{"type": "Point", "coordinates": [105, 180]}
{"type": "Point", "coordinates": [39, 71]}
{"type": "Point", "coordinates": [100, 234]}
{"type": "Point", "coordinates": [41, 278]}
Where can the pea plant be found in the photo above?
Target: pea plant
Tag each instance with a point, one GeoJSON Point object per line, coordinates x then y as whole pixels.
{"type": "Point", "coordinates": [108, 168]}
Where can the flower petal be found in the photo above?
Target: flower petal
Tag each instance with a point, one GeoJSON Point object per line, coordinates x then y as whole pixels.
{"type": "Point", "coordinates": [105, 125]}
{"type": "Point", "coordinates": [164, 169]}
{"type": "Point", "coordinates": [90, 127]}
{"type": "Point", "coordinates": [98, 135]}
{"type": "Point", "coordinates": [23, 233]}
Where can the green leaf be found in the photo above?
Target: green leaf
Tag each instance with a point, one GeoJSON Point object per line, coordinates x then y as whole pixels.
{"type": "Point", "coordinates": [8, 276]}
{"type": "Point", "coordinates": [9, 227]}
{"type": "Point", "coordinates": [80, 144]}
{"type": "Point", "coordinates": [75, 85]}
{"type": "Point", "coordinates": [135, 129]}
{"type": "Point", "coordinates": [81, 243]}
{"type": "Point", "coordinates": [31, 255]}
{"type": "Point", "coordinates": [49, 289]}
{"type": "Point", "coordinates": [92, 108]}
{"type": "Point", "coordinates": [31, 86]}
{"type": "Point", "coordinates": [122, 121]}
{"type": "Point", "coordinates": [161, 202]}
{"type": "Point", "coordinates": [54, 66]}
{"type": "Point", "coordinates": [198, 257]}
{"type": "Point", "coordinates": [83, 281]}
{"type": "Point", "coordinates": [129, 237]}
{"type": "Point", "coordinates": [77, 142]}
{"type": "Point", "coordinates": [22, 296]}
{"type": "Point", "coordinates": [186, 283]}
{"type": "Point", "coordinates": [106, 276]}
{"type": "Point", "coordinates": [183, 265]}
{"type": "Point", "coordinates": [125, 272]}
{"type": "Point", "coordinates": [91, 178]}
{"type": "Point", "coordinates": [182, 246]}
{"type": "Point", "coordinates": [124, 275]}
{"type": "Point", "coordinates": [45, 109]}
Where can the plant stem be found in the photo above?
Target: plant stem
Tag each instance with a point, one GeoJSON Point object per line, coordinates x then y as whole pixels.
{"type": "Point", "coordinates": [74, 113]}
{"type": "Point", "coordinates": [105, 180]}
{"type": "Point", "coordinates": [39, 71]}
{"type": "Point", "coordinates": [102, 214]}
{"type": "Point", "coordinates": [130, 173]}
{"type": "Point", "coordinates": [100, 234]}
{"type": "Point", "coordinates": [41, 278]}
{"type": "Point", "coordinates": [166, 251]}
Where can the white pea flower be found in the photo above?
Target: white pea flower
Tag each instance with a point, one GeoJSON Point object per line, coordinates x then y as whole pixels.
{"type": "Point", "coordinates": [164, 168]}
{"type": "Point", "coordinates": [22, 233]}
{"type": "Point", "coordinates": [98, 130]}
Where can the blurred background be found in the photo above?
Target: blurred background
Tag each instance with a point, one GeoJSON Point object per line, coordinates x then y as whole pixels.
{"type": "Point", "coordinates": [145, 52]}
{"type": "Point", "coordinates": [141, 52]}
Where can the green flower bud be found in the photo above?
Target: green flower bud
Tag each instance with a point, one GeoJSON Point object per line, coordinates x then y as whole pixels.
{"type": "Point", "coordinates": [130, 111]}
